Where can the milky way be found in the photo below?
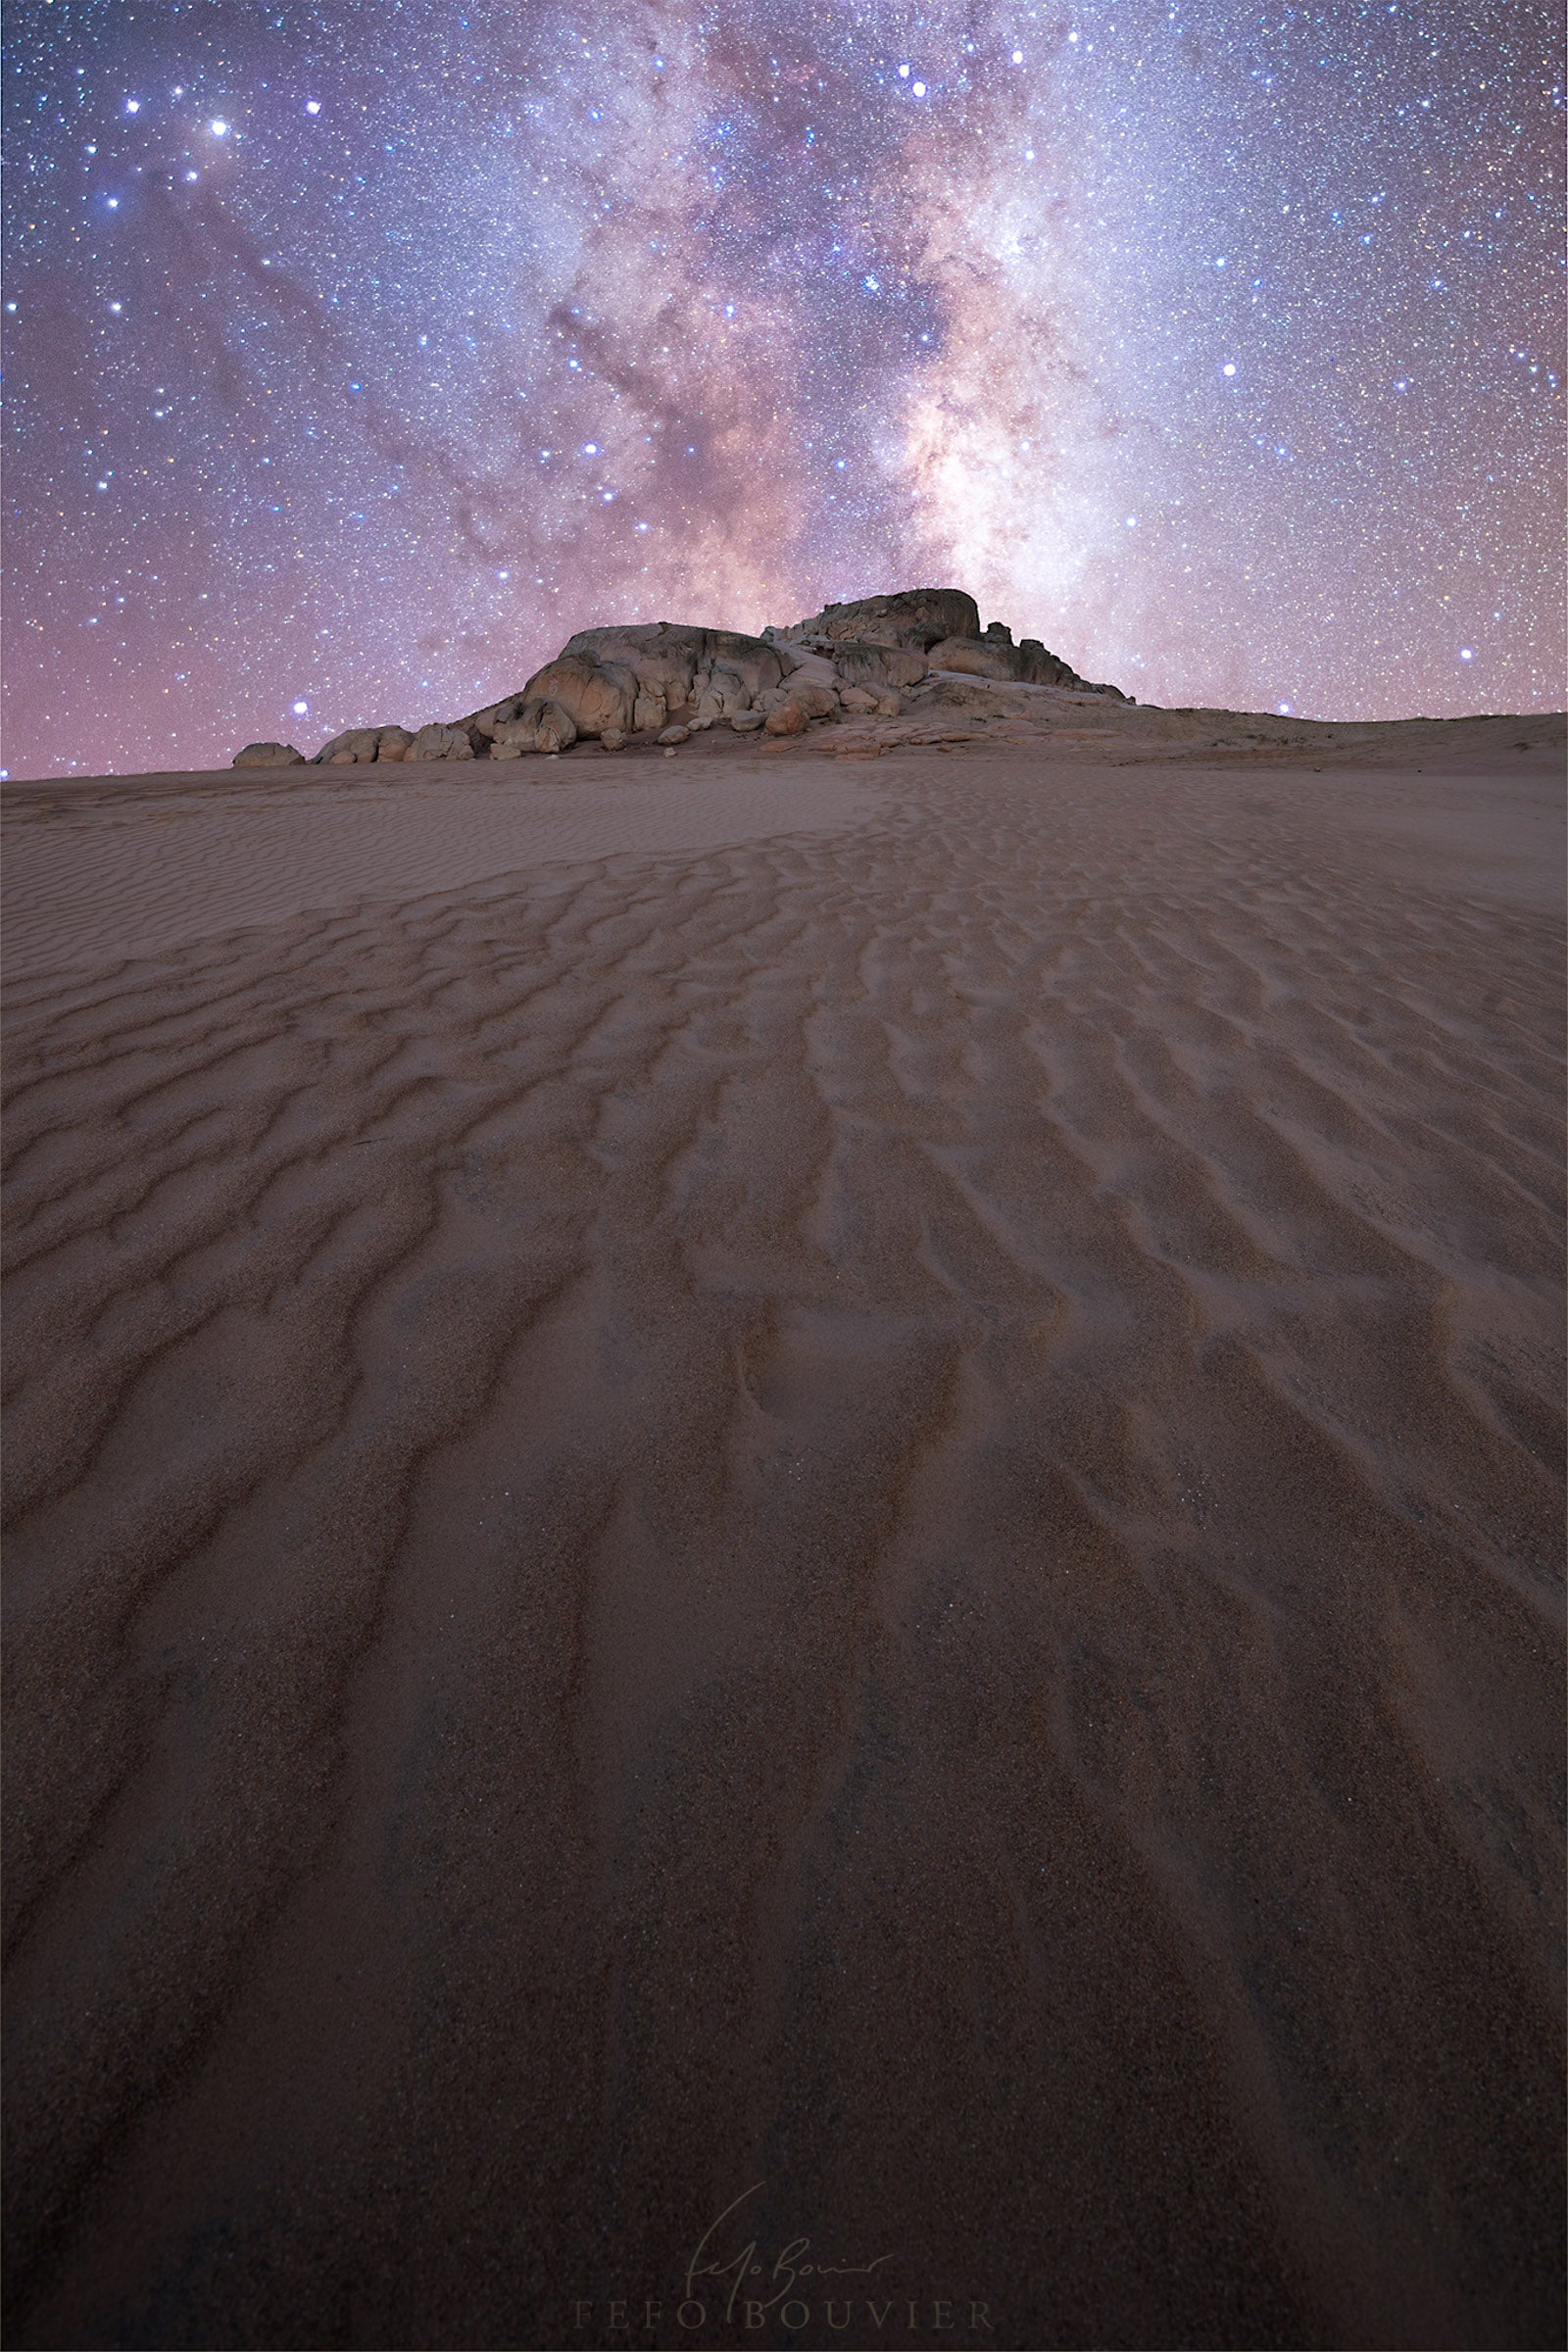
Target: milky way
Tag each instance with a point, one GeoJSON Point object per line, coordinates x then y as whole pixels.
{"type": "Point", "coordinates": [356, 355]}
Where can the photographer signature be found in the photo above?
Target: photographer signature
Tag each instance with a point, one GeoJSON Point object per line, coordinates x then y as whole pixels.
{"type": "Point", "coordinates": [788, 2267]}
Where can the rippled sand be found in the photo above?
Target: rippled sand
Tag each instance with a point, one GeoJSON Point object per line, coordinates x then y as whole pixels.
{"type": "Point", "coordinates": [845, 1478]}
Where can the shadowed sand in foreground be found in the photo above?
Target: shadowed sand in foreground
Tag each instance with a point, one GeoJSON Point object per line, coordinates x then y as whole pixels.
{"type": "Point", "coordinates": [760, 1471]}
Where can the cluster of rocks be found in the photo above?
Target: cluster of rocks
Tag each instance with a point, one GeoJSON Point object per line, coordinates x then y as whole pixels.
{"type": "Point", "coordinates": [666, 681]}
{"type": "Point", "coordinates": [943, 626]}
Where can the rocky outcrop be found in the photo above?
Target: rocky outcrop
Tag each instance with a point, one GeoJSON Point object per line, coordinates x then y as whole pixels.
{"type": "Point", "coordinates": [994, 656]}
{"type": "Point", "coordinates": [639, 679]}
{"type": "Point", "coordinates": [269, 755]}
{"type": "Point", "coordinates": [915, 617]}
{"type": "Point", "coordinates": [669, 681]}
{"type": "Point", "coordinates": [890, 641]}
{"type": "Point", "coordinates": [356, 747]}
{"type": "Point", "coordinates": [976, 658]}
{"type": "Point", "coordinates": [557, 729]}
{"type": "Point", "coordinates": [438, 741]}
{"type": "Point", "coordinates": [593, 695]}
{"type": "Point", "coordinates": [810, 696]}
{"type": "Point", "coordinates": [887, 667]}
{"type": "Point", "coordinates": [1037, 667]}
{"type": "Point", "coordinates": [698, 676]}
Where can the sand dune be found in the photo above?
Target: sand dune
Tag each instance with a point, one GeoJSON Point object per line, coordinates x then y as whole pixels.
{"type": "Point", "coordinates": [845, 1478]}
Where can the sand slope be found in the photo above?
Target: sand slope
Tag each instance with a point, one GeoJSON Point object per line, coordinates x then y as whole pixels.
{"type": "Point", "coordinates": [867, 1500]}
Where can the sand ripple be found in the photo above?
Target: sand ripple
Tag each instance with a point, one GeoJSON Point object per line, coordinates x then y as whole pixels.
{"type": "Point", "coordinates": [880, 1512]}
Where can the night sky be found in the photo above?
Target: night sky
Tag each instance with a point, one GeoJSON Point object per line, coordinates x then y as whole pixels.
{"type": "Point", "coordinates": [358, 354]}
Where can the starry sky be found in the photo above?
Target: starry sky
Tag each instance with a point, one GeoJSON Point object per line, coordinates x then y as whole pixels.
{"type": "Point", "coordinates": [356, 355]}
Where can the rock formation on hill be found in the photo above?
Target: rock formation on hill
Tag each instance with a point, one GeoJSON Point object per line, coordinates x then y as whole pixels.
{"type": "Point", "coordinates": [943, 625]}
{"type": "Point", "coordinates": [669, 681]}
{"type": "Point", "coordinates": [915, 617]}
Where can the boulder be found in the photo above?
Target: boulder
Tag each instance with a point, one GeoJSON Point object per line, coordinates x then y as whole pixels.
{"type": "Point", "coordinates": [787, 718]}
{"type": "Point", "coordinates": [637, 679]}
{"type": "Point", "coordinates": [857, 698]}
{"type": "Point", "coordinates": [613, 740]}
{"type": "Point", "coordinates": [747, 722]}
{"type": "Point", "coordinates": [879, 665]}
{"type": "Point", "coordinates": [667, 659]}
{"type": "Point", "coordinates": [437, 742]}
{"type": "Point", "coordinates": [269, 755]}
{"type": "Point", "coordinates": [976, 658]}
{"type": "Point", "coordinates": [511, 737]}
{"type": "Point", "coordinates": [1037, 667]}
{"type": "Point", "coordinates": [719, 692]}
{"type": "Point", "coordinates": [814, 669]}
{"type": "Point", "coordinates": [673, 735]}
{"type": "Point", "coordinates": [393, 743]}
{"type": "Point", "coordinates": [353, 748]}
{"type": "Point", "coordinates": [556, 729]}
{"type": "Point", "coordinates": [817, 701]}
{"type": "Point", "coordinates": [917, 617]}
{"type": "Point", "coordinates": [593, 694]}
